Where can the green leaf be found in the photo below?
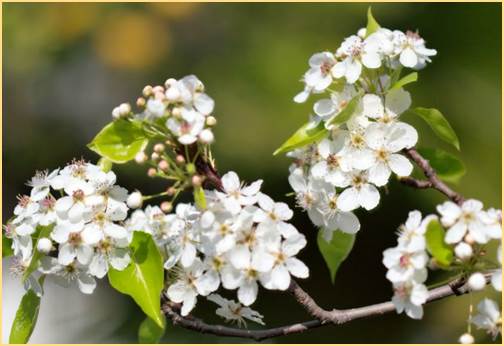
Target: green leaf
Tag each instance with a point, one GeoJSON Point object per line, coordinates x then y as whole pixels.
{"type": "Point", "coordinates": [346, 113]}
{"type": "Point", "coordinates": [120, 141]}
{"type": "Point", "coordinates": [436, 245]}
{"type": "Point", "coordinates": [6, 246]}
{"type": "Point", "coordinates": [447, 166]}
{"type": "Point", "coordinates": [105, 164]}
{"type": "Point", "coordinates": [395, 75]}
{"type": "Point", "coordinates": [336, 251]}
{"type": "Point", "coordinates": [143, 278]}
{"type": "Point", "coordinates": [26, 317]}
{"type": "Point", "coordinates": [306, 134]}
{"type": "Point", "coordinates": [199, 197]}
{"type": "Point", "coordinates": [372, 24]}
{"type": "Point", "coordinates": [150, 332]}
{"type": "Point", "coordinates": [409, 78]}
{"type": "Point", "coordinates": [438, 124]}
{"type": "Point", "coordinates": [43, 232]}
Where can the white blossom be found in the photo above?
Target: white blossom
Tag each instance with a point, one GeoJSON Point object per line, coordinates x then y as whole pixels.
{"type": "Point", "coordinates": [235, 312]}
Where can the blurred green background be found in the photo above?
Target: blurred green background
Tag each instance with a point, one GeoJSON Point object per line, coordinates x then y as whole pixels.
{"type": "Point", "coordinates": [65, 67]}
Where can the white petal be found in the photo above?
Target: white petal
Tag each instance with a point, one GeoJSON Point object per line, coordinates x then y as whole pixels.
{"type": "Point", "coordinates": [348, 200]}
{"type": "Point", "coordinates": [371, 60]}
{"type": "Point", "coordinates": [353, 71]}
{"type": "Point", "coordinates": [281, 277]}
{"type": "Point", "coordinates": [324, 108]}
{"type": "Point", "coordinates": [408, 58]}
{"type": "Point", "coordinates": [455, 233]}
{"type": "Point", "coordinates": [98, 266]}
{"type": "Point", "coordinates": [240, 257]}
{"type": "Point", "coordinates": [247, 293]}
{"type": "Point", "coordinates": [84, 254]}
{"type": "Point", "coordinates": [369, 196]}
{"type": "Point", "coordinates": [204, 104]}
{"type": "Point", "coordinates": [348, 222]}
{"type": "Point", "coordinates": [230, 181]}
{"type": "Point", "coordinates": [188, 255]}
{"type": "Point", "coordinates": [400, 165]}
{"type": "Point", "coordinates": [66, 254]}
{"type": "Point", "coordinates": [372, 106]}
{"type": "Point", "coordinates": [297, 268]}
{"type": "Point", "coordinates": [379, 174]}
{"type": "Point", "coordinates": [87, 283]}
{"type": "Point", "coordinates": [398, 101]}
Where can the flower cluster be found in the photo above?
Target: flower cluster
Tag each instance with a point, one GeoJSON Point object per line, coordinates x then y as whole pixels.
{"type": "Point", "coordinates": [358, 151]}
{"type": "Point", "coordinates": [241, 238]}
{"type": "Point", "coordinates": [180, 106]}
{"type": "Point", "coordinates": [233, 311]}
{"type": "Point", "coordinates": [469, 228]}
{"type": "Point", "coordinates": [79, 234]}
{"type": "Point", "coordinates": [382, 49]}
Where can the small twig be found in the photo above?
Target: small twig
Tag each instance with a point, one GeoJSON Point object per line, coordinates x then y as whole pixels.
{"type": "Point", "coordinates": [432, 177]}
{"type": "Point", "coordinates": [323, 317]}
{"type": "Point", "coordinates": [416, 183]}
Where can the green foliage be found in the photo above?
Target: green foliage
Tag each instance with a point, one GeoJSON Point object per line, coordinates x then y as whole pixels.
{"type": "Point", "coordinates": [26, 317]}
{"type": "Point", "coordinates": [448, 167]}
{"type": "Point", "coordinates": [105, 164]}
{"type": "Point", "coordinates": [438, 124]}
{"type": "Point", "coordinates": [372, 24]}
{"type": "Point", "coordinates": [436, 245]}
{"type": "Point", "coordinates": [305, 135]}
{"type": "Point", "coordinates": [199, 197]}
{"type": "Point", "coordinates": [120, 141]}
{"type": "Point", "coordinates": [150, 332]}
{"type": "Point", "coordinates": [6, 246]}
{"type": "Point", "coordinates": [143, 278]}
{"type": "Point", "coordinates": [409, 78]}
{"type": "Point", "coordinates": [335, 251]}
{"type": "Point", "coordinates": [42, 232]}
{"type": "Point", "coordinates": [346, 113]}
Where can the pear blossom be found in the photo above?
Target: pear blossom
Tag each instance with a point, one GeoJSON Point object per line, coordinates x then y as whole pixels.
{"type": "Point", "coordinates": [235, 312]}
{"type": "Point", "coordinates": [360, 193]}
{"type": "Point", "coordinates": [318, 77]}
{"type": "Point", "coordinates": [41, 184]}
{"type": "Point", "coordinates": [488, 317]}
{"type": "Point", "coordinates": [409, 297]}
{"type": "Point", "coordinates": [71, 273]}
{"type": "Point", "coordinates": [187, 127]}
{"type": "Point", "coordinates": [74, 243]}
{"type": "Point", "coordinates": [463, 220]}
{"type": "Point", "coordinates": [334, 162]}
{"type": "Point", "coordinates": [110, 252]}
{"type": "Point", "coordinates": [497, 275]}
{"type": "Point", "coordinates": [396, 102]}
{"type": "Point", "coordinates": [235, 196]}
{"type": "Point", "coordinates": [410, 48]}
{"type": "Point", "coordinates": [356, 52]}
{"type": "Point", "coordinates": [285, 263]}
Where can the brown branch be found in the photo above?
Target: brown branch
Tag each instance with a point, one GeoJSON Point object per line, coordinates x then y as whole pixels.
{"type": "Point", "coordinates": [416, 183]}
{"type": "Point", "coordinates": [323, 317]}
{"type": "Point", "coordinates": [432, 177]}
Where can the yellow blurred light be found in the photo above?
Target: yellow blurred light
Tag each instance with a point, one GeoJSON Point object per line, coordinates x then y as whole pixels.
{"type": "Point", "coordinates": [174, 10]}
{"type": "Point", "coordinates": [131, 40]}
{"type": "Point", "coordinates": [71, 21]}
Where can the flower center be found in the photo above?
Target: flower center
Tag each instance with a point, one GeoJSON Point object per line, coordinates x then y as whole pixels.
{"type": "Point", "coordinates": [74, 238]}
{"type": "Point", "coordinates": [78, 196]}
{"type": "Point", "coordinates": [333, 161]}
{"type": "Point", "coordinates": [382, 155]}
{"type": "Point", "coordinates": [24, 200]}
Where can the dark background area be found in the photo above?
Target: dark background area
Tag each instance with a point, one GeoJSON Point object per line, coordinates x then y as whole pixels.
{"type": "Point", "coordinates": [65, 67]}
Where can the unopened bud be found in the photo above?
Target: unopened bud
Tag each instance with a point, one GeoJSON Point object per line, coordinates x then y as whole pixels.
{"type": "Point", "coordinates": [151, 172]}
{"type": "Point", "coordinates": [172, 94]}
{"type": "Point", "coordinates": [463, 251]}
{"type": "Point", "coordinates": [154, 156]}
{"type": "Point", "coordinates": [166, 207]}
{"type": "Point", "coordinates": [163, 165]}
{"type": "Point", "coordinates": [141, 158]}
{"type": "Point", "coordinates": [44, 245]}
{"type": "Point", "coordinates": [169, 82]}
{"type": "Point", "coordinates": [134, 200]}
{"type": "Point", "coordinates": [466, 338]}
{"type": "Point", "coordinates": [158, 89]}
{"type": "Point", "coordinates": [206, 136]}
{"type": "Point", "coordinates": [116, 113]}
{"type": "Point", "coordinates": [180, 159]}
{"type": "Point", "coordinates": [211, 121]}
{"type": "Point", "coordinates": [196, 180]}
{"type": "Point", "coordinates": [140, 102]}
{"type": "Point", "coordinates": [476, 282]}
{"type": "Point", "coordinates": [159, 148]}
{"type": "Point", "coordinates": [125, 109]}
{"type": "Point", "coordinates": [433, 264]}
{"type": "Point", "coordinates": [176, 112]}
{"type": "Point", "coordinates": [171, 191]}
{"type": "Point", "coordinates": [469, 239]}
{"type": "Point", "coordinates": [147, 91]}
{"type": "Point", "coordinates": [190, 168]}
{"type": "Point", "coordinates": [159, 96]}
